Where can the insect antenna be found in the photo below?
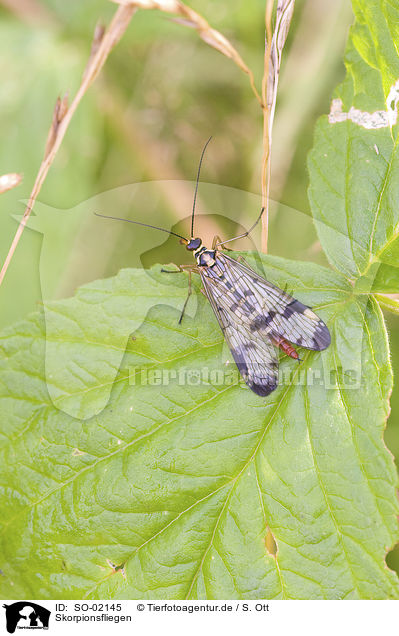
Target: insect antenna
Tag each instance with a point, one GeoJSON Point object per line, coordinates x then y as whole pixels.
{"type": "Point", "coordinates": [196, 185]}
{"type": "Point", "coordinates": [154, 227]}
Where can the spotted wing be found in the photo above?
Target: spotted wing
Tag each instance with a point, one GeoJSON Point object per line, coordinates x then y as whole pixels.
{"type": "Point", "coordinates": [275, 311]}
{"type": "Point", "coordinates": [254, 355]}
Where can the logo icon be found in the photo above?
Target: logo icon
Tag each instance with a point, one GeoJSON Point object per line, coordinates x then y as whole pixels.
{"type": "Point", "coordinates": [26, 615]}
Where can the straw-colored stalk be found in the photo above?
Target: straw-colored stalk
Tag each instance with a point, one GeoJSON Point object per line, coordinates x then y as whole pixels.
{"type": "Point", "coordinates": [103, 43]}
{"type": "Point", "coordinates": [274, 44]}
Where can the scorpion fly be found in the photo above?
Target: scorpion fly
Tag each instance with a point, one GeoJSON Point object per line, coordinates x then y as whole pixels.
{"type": "Point", "coordinates": [256, 317]}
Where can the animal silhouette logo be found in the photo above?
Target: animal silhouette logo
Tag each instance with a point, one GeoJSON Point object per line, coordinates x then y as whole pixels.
{"type": "Point", "coordinates": [26, 615]}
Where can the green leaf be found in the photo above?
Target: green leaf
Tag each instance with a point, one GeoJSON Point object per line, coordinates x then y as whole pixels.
{"type": "Point", "coordinates": [354, 190]}
{"type": "Point", "coordinates": [179, 489]}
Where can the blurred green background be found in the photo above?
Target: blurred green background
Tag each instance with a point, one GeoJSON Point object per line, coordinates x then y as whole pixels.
{"type": "Point", "coordinates": [162, 93]}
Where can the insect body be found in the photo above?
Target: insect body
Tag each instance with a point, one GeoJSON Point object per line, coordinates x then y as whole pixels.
{"type": "Point", "coordinates": [255, 316]}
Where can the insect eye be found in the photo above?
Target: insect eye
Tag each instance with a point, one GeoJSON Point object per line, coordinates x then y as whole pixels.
{"type": "Point", "coordinates": [193, 244]}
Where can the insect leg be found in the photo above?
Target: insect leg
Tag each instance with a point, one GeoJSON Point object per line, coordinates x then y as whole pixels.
{"type": "Point", "coordinates": [218, 241]}
{"type": "Point", "coordinates": [188, 296]}
{"type": "Point", "coordinates": [182, 268]}
{"type": "Point", "coordinates": [172, 271]}
{"type": "Point", "coordinates": [245, 233]}
{"type": "Point", "coordinates": [241, 259]}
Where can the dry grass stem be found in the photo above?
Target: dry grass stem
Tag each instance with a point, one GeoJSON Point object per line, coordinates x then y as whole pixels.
{"type": "Point", "coordinates": [9, 181]}
{"type": "Point", "coordinates": [265, 174]}
{"type": "Point", "coordinates": [99, 33]}
{"type": "Point", "coordinates": [274, 44]}
{"type": "Point", "coordinates": [104, 41]}
{"type": "Point", "coordinates": [189, 17]}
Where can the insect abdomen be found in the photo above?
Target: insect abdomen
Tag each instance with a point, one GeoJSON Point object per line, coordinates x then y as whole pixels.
{"type": "Point", "coordinates": [285, 346]}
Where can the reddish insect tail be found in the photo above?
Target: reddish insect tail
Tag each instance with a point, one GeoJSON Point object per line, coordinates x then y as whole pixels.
{"type": "Point", "coordinates": [286, 347]}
